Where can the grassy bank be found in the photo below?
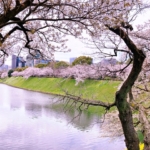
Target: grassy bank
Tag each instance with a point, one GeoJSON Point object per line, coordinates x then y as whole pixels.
{"type": "Point", "coordinates": [91, 89]}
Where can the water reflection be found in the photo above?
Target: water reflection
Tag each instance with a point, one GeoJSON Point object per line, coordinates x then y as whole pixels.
{"type": "Point", "coordinates": [72, 116]}
{"type": "Point", "coordinates": [29, 121]}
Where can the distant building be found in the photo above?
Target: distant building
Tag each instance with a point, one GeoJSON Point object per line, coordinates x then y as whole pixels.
{"type": "Point", "coordinates": [20, 62]}
{"type": "Point", "coordinates": [29, 61]}
{"type": "Point", "coordinates": [110, 61]}
{"type": "Point", "coordinates": [14, 61]}
{"type": "Point", "coordinates": [40, 61]}
{"type": "Point", "coordinates": [34, 60]}
{"type": "Point", "coordinates": [17, 62]}
{"type": "Point", "coordinates": [72, 59]}
{"type": "Point", "coordinates": [44, 61]}
{"type": "Point", "coordinates": [4, 68]}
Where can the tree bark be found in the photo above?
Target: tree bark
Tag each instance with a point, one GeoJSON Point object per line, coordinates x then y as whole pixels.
{"type": "Point", "coordinates": [10, 14]}
{"type": "Point", "coordinates": [125, 112]}
{"type": "Point", "coordinates": [130, 96]}
{"type": "Point", "coordinates": [125, 116]}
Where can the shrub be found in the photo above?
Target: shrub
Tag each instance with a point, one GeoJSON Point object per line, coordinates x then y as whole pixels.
{"type": "Point", "coordinates": [10, 72]}
{"type": "Point", "coordinates": [41, 65]}
{"type": "Point", "coordinates": [21, 69]}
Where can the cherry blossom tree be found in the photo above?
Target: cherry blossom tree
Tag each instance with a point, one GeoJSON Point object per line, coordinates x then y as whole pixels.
{"type": "Point", "coordinates": [41, 26]}
{"type": "Point", "coordinates": [4, 75]}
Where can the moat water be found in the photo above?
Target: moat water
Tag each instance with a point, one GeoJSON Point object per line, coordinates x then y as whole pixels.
{"type": "Point", "coordinates": [31, 121]}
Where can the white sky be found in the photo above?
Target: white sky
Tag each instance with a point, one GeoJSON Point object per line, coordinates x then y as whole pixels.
{"type": "Point", "coordinates": [77, 49]}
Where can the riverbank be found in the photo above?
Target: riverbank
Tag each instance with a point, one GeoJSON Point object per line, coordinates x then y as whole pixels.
{"type": "Point", "coordinates": [91, 89]}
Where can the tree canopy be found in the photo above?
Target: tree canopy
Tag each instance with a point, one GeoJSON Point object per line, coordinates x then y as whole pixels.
{"type": "Point", "coordinates": [61, 64]}
{"type": "Point", "coordinates": [82, 60]}
{"type": "Point", "coordinates": [43, 25]}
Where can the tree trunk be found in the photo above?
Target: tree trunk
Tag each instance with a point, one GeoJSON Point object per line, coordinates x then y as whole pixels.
{"type": "Point", "coordinates": [125, 113]}
{"type": "Point", "coordinates": [130, 95]}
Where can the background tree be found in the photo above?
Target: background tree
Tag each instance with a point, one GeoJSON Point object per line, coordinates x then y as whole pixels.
{"type": "Point", "coordinates": [41, 65]}
{"type": "Point", "coordinates": [82, 60]}
{"type": "Point", "coordinates": [61, 64]}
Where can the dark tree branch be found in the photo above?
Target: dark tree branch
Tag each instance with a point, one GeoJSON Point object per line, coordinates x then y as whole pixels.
{"type": "Point", "coordinates": [89, 102]}
{"type": "Point", "coordinates": [9, 15]}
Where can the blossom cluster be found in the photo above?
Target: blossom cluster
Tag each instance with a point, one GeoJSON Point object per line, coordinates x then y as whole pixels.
{"type": "Point", "coordinates": [78, 72]}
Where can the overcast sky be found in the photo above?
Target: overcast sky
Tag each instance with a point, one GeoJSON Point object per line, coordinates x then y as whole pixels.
{"type": "Point", "coordinates": [77, 49]}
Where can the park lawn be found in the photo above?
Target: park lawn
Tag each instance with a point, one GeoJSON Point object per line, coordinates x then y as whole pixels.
{"type": "Point", "coordinates": [103, 90]}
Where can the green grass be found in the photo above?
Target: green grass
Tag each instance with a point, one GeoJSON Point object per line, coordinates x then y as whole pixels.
{"type": "Point", "coordinates": [91, 89]}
